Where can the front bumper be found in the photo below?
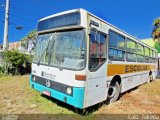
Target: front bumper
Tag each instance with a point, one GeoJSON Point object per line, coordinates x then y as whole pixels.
{"type": "Point", "coordinates": [76, 100]}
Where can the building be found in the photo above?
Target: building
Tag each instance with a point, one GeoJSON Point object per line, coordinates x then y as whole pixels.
{"type": "Point", "coordinates": [14, 45]}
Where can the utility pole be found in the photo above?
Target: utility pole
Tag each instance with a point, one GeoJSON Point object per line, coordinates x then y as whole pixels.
{"type": "Point", "coordinates": [5, 39]}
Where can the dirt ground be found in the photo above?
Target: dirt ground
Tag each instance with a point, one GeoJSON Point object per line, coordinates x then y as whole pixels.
{"type": "Point", "coordinates": [16, 97]}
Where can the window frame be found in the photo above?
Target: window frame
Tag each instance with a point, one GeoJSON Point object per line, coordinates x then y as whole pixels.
{"type": "Point", "coordinates": [139, 54]}
{"type": "Point", "coordinates": [129, 52]}
{"type": "Point", "coordinates": [116, 48]}
{"type": "Point", "coordinates": [146, 57]}
{"type": "Point", "coordinates": [154, 58]}
{"type": "Point", "coordinates": [132, 42]}
{"type": "Point", "coordinates": [106, 36]}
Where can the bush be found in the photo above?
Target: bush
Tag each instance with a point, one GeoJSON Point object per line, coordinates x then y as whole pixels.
{"type": "Point", "coordinates": [2, 70]}
{"type": "Point", "coordinates": [16, 62]}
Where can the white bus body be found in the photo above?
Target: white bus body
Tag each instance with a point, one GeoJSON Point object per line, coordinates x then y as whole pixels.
{"type": "Point", "coordinates": [96, 67]}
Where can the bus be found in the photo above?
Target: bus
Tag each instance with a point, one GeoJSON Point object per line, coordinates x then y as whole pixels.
{"type": "Point", "coordinates": [83, 60]}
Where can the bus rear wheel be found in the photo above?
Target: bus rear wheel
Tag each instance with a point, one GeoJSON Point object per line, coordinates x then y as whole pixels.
{"type": "Point", "coordinates": [150, 77]}
{"type": "Point", "coordinates": [113, 92]}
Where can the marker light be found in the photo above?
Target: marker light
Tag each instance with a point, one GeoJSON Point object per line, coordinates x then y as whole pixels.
{"type": "Point", "coordinates": [80, 77]}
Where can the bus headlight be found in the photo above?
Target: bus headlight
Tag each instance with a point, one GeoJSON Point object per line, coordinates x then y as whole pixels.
{"type": "Point", "coordinates": [69, 90]}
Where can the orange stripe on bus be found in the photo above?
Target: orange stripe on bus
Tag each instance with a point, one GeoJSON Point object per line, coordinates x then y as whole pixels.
{"type": "Point", "coordinates": [118, 69]}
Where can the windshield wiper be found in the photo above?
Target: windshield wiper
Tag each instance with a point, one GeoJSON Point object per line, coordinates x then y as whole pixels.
{"type": "Point", "coordinates": [57, 60]}
{"type": "Point", "coordinates": [58, 64]}
{"type": "Point", "coordinates": [38, 63]}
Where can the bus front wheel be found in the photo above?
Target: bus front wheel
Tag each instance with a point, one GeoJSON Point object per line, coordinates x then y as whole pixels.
{"type": "Point", "coordinates": [113, 92]}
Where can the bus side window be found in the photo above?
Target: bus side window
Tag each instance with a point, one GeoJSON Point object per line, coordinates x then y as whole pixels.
{"type": "Point", "coordinates": [97, 49]}
{"type": "Point", "coordinates": [116, 46]}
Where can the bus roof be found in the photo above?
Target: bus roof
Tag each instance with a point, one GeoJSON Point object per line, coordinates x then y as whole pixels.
{"type": "Point", "coordinates": [81, 9]}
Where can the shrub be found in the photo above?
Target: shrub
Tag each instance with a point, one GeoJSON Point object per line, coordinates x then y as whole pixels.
{"type": "Point", "coordinates": [16, 62]}
{"type": "Point", "coordinates": [2, 70]}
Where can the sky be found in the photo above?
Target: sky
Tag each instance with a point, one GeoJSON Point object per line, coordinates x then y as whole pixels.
{"type": "Point", "coordinates": [133, 16]}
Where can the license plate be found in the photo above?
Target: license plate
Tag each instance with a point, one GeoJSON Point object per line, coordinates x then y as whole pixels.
{"type": "Point", "coordinates": [46, 93]}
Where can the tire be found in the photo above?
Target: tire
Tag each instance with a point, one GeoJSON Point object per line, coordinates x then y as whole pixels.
{"type": "Point", "coordinates": [150, 77]}
{"type": "Point", "coordinates": [113, 92]}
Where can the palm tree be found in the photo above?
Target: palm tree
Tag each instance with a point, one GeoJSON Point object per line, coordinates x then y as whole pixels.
{"type": "Point", "coordinates": [156, 30]}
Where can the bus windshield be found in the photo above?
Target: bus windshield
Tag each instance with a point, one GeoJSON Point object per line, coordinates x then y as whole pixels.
{"type": "Point", "coordinates": [62, 49]}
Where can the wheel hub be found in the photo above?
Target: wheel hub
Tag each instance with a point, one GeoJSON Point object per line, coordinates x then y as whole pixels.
{"type": "Point", "coordinates": [111, 91]}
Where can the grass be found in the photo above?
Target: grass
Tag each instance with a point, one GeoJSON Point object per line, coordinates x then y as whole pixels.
{"type": "Point", "coordinates": [17, 97]}
{"type": "Point", "coordinates": [20, 85]}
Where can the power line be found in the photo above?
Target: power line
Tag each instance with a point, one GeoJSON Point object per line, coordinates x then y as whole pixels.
{"type": "Point", "coordinates": [24, 12]}
{"type": "Point", "coordinates": [14, 25]}
{"type": "Point", "coordinates": [20, 17]}
{"type": "Point", "coordinates": [11, 23]}
{"type": "Point", "coordinates": [13, 7]}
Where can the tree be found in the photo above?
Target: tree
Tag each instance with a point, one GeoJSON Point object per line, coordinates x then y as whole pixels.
{"type": "Point", "coordinates": [156, 30]}
{"type": "Point", "coordinates": [157, 46]}
{"type": "Point", "coordinates": [30, 36]}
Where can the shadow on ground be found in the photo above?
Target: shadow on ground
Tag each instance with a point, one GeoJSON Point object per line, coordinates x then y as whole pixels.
{"type": "Point", "coordinates": [83, 112]}
{"type": "Point", "coordinates": [86, 111]}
